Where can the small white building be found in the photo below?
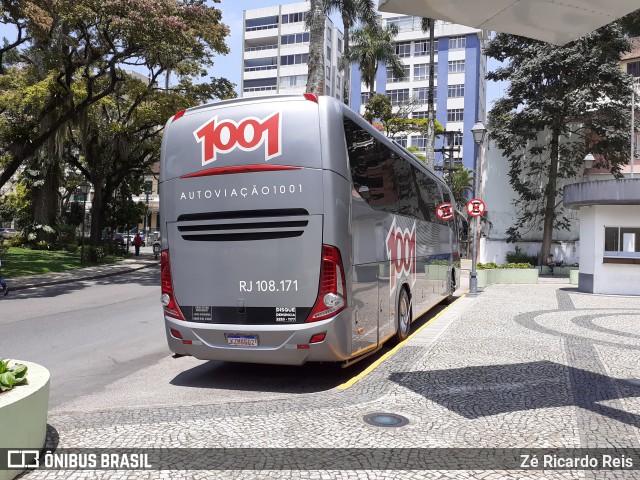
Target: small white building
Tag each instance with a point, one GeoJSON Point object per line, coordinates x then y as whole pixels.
{"type": "Point", "coordinates": [609, 235]}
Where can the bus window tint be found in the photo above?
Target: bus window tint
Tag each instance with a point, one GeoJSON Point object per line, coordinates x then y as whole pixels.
{"type": "Point", "coordinates": [393, 184]}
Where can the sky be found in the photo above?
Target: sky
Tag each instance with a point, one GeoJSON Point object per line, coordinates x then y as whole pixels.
{"type": "Point", "coordinates": [230, 66]}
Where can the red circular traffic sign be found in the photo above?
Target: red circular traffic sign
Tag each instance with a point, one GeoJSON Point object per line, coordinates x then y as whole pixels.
{"type": "Point", "coordinates": [444, 211]}
{"type": "Point", "coordinates": [476, 207]}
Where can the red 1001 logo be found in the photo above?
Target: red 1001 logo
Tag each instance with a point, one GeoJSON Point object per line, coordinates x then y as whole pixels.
{"type": "Point", "coordinates": [401, 251]}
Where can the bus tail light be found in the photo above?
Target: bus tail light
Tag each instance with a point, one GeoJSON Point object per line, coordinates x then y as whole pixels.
{"type": "Point", "coordinates": [332, 293]}
{"type": "Point", "coordinates": [171, 307]}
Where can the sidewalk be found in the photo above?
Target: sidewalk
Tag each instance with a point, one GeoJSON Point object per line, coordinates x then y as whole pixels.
{"type": "Point", "coordinates": [145, 260]}
{"type": "Point", "coordinates": [516, 367]}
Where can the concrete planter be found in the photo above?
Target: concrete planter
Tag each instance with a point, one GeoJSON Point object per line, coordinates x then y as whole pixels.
{"type": "Point", "coordinates": [506, 275]}
{"type": "Point", "coordinates": [561, 271]}
{"type": "Point", "coordinates": [437, 272]}
{"type": "Point", "coordinates": [23, 414]}
{"type": "Point", "coordinates": [573, 276]}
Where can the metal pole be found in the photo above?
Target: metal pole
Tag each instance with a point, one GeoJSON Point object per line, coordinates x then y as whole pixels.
{"type": "Point", "coordinates": [84, 214]}
{"type": "Point", "coordinates": [473, 276]}
{"type": "Point", "coordinates": [633, 127]}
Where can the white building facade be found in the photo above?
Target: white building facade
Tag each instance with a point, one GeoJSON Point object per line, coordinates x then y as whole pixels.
{"type": "Point", "coordinates": [460, 71]}
{"type": "Point", "coordinates": [276, 52]}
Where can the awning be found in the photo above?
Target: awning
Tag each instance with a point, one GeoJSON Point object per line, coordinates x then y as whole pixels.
{"type": "Point", "coordinates": [556, 22]}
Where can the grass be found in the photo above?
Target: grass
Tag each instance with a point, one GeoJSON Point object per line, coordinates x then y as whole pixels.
{"type": "Point", "coordinates": [18, 262]}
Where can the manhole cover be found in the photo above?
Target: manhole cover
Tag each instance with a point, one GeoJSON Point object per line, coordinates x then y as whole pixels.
{"type": "Point", "coordinates": [634, 381]}
{"type": "Point", "coordinates": [386, 420]}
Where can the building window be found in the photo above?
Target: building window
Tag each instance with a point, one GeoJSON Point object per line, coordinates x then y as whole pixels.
{"type": "Point", "coordinates": [633, 68]}
{"type": "Point", "coordinates": [419, 141]}
{"type": "Point", "coordinates": [402, 141]}
{"type": "Point", "coordinates": [263, 23]}
{"type": "Point", "coordinates": [422, 94]}
{"type": "Point", "coordinates": [364, 97]}
{"type": "Point", "coordinates": [403, 49]}
{"type": "Point", "coordinates": [293, 81]}
{"type": "Point", "coordinates": [422, 47]}
{"type": "Point", "coordinates": [421, 71]}
{"type": "Point", "coordinates": [391, 78]}
{"type": "Point", "coordinates": [327, 90]}
{"type": "Point", "coordinates": [329, 53]}
{"type": "Point", "coordinates": [259, 85]}
{"type": "Point", "coordinates": [398, 96]}
{"type": "Point", "coordinates": [420, 115]}
{"type": "Point", "coordinates": [328, 72]}
{"type": "Point", "coordinates": [455, 115]}
{"type": "Point", "coordinates": [257, 64]}
{"type": "Point", "coordinates": [621, 242]}
{"type": "Point", "coordinates": [294, 17]}
{"type": "Point", "coordinates": [455, 91]}
{"type": "Point", "coordinates": [340, 45]}
{"type": "Point", "coordinates": [456, 66]}
{"type": "Point", "coordinates": [297, 59]}
{"type": "Point", "coordinates": [338, 82]}
{"type": "Point", "coordinates": [457, 42]}
{"type": "Point", "coordinates": [295, 38]}
{"type": "Point", "coordinates": [328, 34]}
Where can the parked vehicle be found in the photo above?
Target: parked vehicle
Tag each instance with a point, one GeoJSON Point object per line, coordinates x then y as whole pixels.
{"type": "Point", "coordinates": [8, 232]}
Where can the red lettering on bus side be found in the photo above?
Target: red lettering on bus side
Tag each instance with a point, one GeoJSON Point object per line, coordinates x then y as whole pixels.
{"type": "Point", "coordinates": [266, 131]}
{"type": "Point", "coordinates": [401, 251]}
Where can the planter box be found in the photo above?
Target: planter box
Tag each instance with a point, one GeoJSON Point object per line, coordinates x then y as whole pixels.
{"type": "Point", "coordinates": [437, 272]}
{"type": "Point", "coordinates": [507, 275]}
{"type": "Point", "coordinates": [573, 276]}
{"type": "Point", "coordinates": [561, 271]}
{"type": "Point", "coordinates": [23, 414]}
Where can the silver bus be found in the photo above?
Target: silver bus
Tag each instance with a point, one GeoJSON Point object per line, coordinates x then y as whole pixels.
{"type": "Point", "coordinates": [294, 231]}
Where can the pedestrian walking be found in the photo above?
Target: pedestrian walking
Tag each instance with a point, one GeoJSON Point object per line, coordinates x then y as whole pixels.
{"type": "Point", "coordinates": [5, 289]}
{"type": "Point", "coordinates": [137, 241]}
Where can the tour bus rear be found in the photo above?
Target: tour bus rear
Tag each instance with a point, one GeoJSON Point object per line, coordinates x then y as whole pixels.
{"type": "Point", "coordinates": [249, 272]}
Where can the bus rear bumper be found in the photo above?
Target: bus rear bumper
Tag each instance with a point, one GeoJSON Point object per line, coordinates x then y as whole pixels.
{"type": "Point", "coordinates": [276, 344]}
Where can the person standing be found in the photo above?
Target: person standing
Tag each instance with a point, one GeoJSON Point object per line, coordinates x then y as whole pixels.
{"type": "Point", "coordinates": [137, 241]}
{"type": "Point", "coordinates": [5, 289]}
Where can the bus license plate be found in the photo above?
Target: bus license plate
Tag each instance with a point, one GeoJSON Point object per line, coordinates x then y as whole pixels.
{"type": "Point", "coordinates": [243, 340]}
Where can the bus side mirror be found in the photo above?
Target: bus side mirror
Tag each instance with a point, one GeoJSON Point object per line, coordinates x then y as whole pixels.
{"type": "Point", "coordinates": [364, 192]}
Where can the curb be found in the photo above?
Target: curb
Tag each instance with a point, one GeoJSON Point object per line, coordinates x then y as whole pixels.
{"type": "Point", "coordinates": [60, 281]}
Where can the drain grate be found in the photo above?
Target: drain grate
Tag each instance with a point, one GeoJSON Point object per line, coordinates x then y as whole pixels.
{"type": "Point", "coordinates": [386, 420]}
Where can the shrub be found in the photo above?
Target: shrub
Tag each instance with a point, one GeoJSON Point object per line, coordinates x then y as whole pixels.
{"type": "Point", "coordinates": [487, 266]}
{"type": "Point", "coordinates": [71, 247]}
{"type": "Point", "coordinates": [520, 257]}
{"type": "Point", "coordinates": [41, 245]}
{"type": "Point", "coordinates": [11, 376]}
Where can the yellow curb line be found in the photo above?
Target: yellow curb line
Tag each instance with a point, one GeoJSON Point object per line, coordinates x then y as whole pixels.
{"type": "Point", "coordinates": [375, 364]}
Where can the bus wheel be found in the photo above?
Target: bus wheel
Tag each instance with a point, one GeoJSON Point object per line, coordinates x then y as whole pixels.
{"type": "Point", "coordinates": [404, 316]}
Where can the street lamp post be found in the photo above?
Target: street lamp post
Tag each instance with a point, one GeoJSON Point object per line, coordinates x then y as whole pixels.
{"type": "Point", "coordinates": [479, 131]}
{"type": "Point", "coordinates": [147, 191]}
{"type": "Point", "coordinates": [84, 190]}
{"type": "Point", "coordinates": [588, 165]}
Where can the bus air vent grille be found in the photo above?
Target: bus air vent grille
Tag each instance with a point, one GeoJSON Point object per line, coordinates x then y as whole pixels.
{"type": "Point", "coordinates": [243, 225]}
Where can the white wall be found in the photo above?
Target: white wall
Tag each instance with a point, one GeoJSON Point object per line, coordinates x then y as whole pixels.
{"type": "Point", "coordinates": [609, 278]}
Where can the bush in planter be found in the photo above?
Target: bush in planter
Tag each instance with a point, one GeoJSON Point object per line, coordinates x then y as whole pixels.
{"type": "Point", "coordinates": [520, 257]}
{"type": "Point", "coordinates": [491, 265]}
{"type": "Point", "coordinates": [11, 376]}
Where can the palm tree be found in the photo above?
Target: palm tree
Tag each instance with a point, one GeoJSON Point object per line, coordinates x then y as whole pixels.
{"type": "Point", "coordinates": [428, 24]}
{"type": "Point", "coordinates": [315, 23]}
{"type": "Point", "coordinates": [373, 45]}
{"type": "Point", "coordinates": [353, 12]}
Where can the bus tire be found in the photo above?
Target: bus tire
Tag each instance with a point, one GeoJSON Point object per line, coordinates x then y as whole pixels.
{"type": "Point", "coordinates": [403, 316]}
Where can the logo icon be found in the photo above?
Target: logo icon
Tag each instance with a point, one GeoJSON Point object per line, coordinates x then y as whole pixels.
{"type": "Point", "coordinates": [401, 251]}
{"type": "Point", "coordinates": [22, 459]}
{"type": "Point", "coordinates": [248, 135]}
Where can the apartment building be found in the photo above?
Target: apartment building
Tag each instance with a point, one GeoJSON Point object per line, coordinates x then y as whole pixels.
{"type": "Point", "coordinates": [460, 94]}
{"type": "Point", "coordinates": [276, 52]}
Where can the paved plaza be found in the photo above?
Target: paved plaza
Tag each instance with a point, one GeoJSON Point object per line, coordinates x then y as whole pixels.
{"type": "Point", "coordinates": [517, 367]}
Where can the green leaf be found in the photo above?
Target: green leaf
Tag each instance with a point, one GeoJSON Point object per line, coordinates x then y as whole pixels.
{"type": "Point", "coordinates": [3, 365]}
{"type": "Point", "coordinates": [7, 379]}
{"type": "Point", "coordinates": [19, 371]}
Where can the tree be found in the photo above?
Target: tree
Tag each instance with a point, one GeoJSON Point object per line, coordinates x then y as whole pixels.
{"type": "Point", "coordinates": [631, 23]}
{"type": "Point", "coordinates": [315, 23]}
{"type": "Point", "coordinates": [373, 45]}
{"type": "Point", "coordinates": [561, 103]}
{"type": "Point", "coordinates": [69, 55]}
{"type": "Point", "coordinates": [397, 119]}
{"type": "Point", "coordinates": [428, 24]}
{"type": "Point", "coordinates": [353, 12]}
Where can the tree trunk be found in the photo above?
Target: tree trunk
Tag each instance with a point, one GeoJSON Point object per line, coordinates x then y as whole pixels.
{"type": "Point", "coordinates": [346, 64]}
{"type": "Point", "coordinates": [46, 199]}
{"type": "Point", "coordinates": [550, 196]}
{"type": "Point", "coordinates": [97, 212]}
{"type": "Point", "coordinates": [315, 79]}
{"type": "Point", "coordinates": [431, 137]}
